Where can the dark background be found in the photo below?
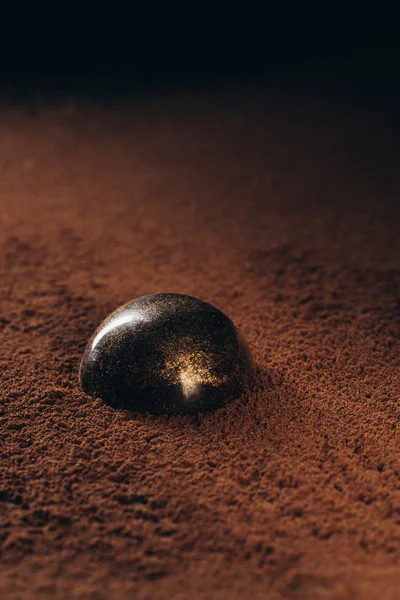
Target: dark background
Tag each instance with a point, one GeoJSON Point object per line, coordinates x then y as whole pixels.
{"type": "Point", "coordinates": [350, 42]}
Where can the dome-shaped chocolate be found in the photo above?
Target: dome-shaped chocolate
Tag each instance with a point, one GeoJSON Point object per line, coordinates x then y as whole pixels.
{"type": "Point", "coordinates": [166, 353]}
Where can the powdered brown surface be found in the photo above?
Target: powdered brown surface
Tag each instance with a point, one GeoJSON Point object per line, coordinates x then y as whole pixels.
{"type": "Point", "coordinates": [280, 208]}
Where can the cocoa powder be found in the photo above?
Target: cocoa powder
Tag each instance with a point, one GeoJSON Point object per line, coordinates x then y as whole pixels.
{"type": "Point", "coordinates": [279, 207]}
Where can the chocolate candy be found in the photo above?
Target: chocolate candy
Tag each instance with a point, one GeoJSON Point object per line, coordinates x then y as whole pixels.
{"type": "Point", "coordinates": [166, 353]}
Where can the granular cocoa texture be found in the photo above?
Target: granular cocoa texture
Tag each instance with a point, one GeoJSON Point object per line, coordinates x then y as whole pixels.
{"type": "Point", "coordinates": [279, 207]}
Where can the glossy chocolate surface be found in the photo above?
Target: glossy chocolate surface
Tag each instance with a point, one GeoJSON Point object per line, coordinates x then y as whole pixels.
{"type": "Point", "coordinates": [166, 353]}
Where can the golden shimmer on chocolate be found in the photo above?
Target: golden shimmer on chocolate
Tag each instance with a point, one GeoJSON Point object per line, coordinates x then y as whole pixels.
{"type": "Point", "coordinates": [194, 363]}
{"type": "Point", "coordinates": [166, 353]}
